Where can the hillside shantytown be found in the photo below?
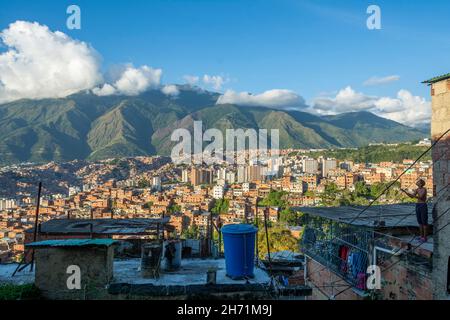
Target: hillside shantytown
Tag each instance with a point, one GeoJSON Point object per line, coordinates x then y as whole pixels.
{"type": "Point", "coordinates": [319, 245]}
{"type": "Point", "coordinates": [237, 152]}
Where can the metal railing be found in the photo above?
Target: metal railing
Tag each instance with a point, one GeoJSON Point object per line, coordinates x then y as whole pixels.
{"type": "Point", "coordinates": [342, 248]}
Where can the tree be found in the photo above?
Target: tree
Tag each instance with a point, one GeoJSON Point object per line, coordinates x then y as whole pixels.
{"type": "Point", "coordinates": [274, 199]}
{"type": "Point", "coordinates": [148, 205]}
{"type": "Point", "coordinates": [280, 239]}
{"type": "Point", "coordinates": [191, 233]}
{"type": "Point", "coordinates": [289, 216]}
{"type": "Point", "coordinates": [361, 189]}
{"type": "Point", "coordinates": [174, 208]}
{"type": "Point", "coordinates": [221, 206]}
{"type": "Point", "coordinates": [331, 194]}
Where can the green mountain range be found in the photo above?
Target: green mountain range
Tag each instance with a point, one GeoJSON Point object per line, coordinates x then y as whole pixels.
{"type": "Point", "coordinates": [86, 126]}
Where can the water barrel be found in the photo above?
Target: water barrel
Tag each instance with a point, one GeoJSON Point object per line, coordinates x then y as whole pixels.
{"type": "Point", "coordinates": [239, 244]}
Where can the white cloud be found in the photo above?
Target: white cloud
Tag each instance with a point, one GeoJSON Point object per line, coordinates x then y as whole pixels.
{"type": "Point", "coordinates": [346, 100]}
{"type": "Point", "coordinates": [276, 98]}
{"type": "Point", "coordinates": [215, 81]}
{"type": "Point", "coordinates": [404, 108]}
{"type": "Point", "coordinates": [105, 90]}
{"type": "Point", "coordinates": [39, 63]}
{"type": "Point", "coordinates": [191, 80]}
{"type": "Point", "coordinates": [170, 90]}
{"type": "Point", "coordinates": [376, 81]}
{"type": "Point", "coordinates": [132, 81]}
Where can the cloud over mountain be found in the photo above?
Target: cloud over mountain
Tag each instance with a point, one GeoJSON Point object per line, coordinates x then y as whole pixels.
{"type": "Point", "coordinates": [276, 98]}
{"type": "Point", "coordinates": [405, 107]}
{"type": "Point", "coordinates": [132, 81]}
{"type": "Point", "coordinates": [39, 63]}
{"type": "Point", "coordinates": [170, 90]}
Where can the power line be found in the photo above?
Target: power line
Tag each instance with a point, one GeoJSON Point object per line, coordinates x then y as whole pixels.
{"type": "Point", "coordinates": [391, 184]}
{"type": "Point", "coordinates": [414, 249]}
{"type": "Point", "coordinates": [398, 178]}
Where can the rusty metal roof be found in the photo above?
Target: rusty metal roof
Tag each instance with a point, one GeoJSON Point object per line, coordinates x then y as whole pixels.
{"type": "Point", "coordinates": [105, 226]}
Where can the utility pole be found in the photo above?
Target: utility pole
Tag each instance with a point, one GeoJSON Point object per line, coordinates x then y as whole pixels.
{"type": "Point", "coordinates": [36, 222]}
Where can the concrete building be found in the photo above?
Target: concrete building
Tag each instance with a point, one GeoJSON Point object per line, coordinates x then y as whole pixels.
{"type": "Point", "coordinates": [201, 176]}
{"type": "Point", "coordinates": [156, 182]}
{"type": "Point", "coordinates": [7, 204]}
{"type": "Point", "coordinates": [230, 177]}
{"type": "Point", "coordinates": [440, 123]}
{"type": "Point", "coordinates": [310, 166]}
{"type": "Point", "coordinates": [242, 174]}
{"type": "Point", "coordinates": [185, 176]}
{"type": "Point", "coordinates": [327, 165]}
{"type": "Point", "coordinates": [256, 172]}
{"type": "Point", "coordinates": [218, 192]}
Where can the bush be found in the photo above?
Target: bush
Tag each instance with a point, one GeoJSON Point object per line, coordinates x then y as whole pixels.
{"type": "Point", "coordinates": [18, 292]}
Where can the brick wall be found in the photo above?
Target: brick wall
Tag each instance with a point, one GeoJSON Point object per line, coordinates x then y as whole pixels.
{"type": "Point", "coordinates": [440, 123]}
{"type": "Point", "coordinates": [325, 283]}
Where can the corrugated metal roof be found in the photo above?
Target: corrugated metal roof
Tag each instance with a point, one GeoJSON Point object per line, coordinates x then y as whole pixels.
{"type": "Point", "coordinates": [105, 226]}
{"type": "Point", "coordinates": [438, 78]}
{"type": "Point", "coordinates": [393, 215]}
{"type": "Point", "coordinates": [73, 243]}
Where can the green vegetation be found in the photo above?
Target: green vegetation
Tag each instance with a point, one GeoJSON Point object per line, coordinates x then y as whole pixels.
{"type": "Point", "coordinates": [362, 195]}
{"type": "Point", "coordinates": [148, 205]}
{"type": "Point", "coordinates": [173, 208]}
{"type": "Point", "coordinates": [290, 217]}
{"type": "Point", "coordinates": [375, 154]}
{"type": "Point", "coordinates": [84, 126]}
{"type": "Point", "coordinates": [191, 233]}
{"type": "Point", "coordinates": [221, 206]}
{"type": "Point", "coordinates": [18, 292]}
{"type": "Point", "coordinates": [274, 199]}
{"type": "Point", "coordinates": [280, 239]}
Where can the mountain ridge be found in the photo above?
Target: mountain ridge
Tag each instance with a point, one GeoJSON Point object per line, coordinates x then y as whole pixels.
{"type": "Point", "coordinates": [86, 126]}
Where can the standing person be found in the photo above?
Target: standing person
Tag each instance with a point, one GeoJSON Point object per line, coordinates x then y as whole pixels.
{"type": "Point", "coordinates": [421, 207]}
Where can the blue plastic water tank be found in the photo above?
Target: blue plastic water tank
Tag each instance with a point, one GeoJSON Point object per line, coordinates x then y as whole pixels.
{"type": "Point", "coordinates": [239, 242]}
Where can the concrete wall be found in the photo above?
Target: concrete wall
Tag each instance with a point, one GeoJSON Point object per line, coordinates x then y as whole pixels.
{"type": "Point", "coordinates": [440, 123]}
{"type": "Point", "coordinates": [96, 265]}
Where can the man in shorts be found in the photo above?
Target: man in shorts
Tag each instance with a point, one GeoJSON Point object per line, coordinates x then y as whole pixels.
{"type": "Point", "coordinates": [421, 207]}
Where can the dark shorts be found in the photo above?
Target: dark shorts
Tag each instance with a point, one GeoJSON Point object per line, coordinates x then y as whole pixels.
{"type": "Point", "coordinates": [422, 213]}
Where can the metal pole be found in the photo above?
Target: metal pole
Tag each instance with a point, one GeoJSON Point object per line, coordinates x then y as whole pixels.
{"type": "Point", "coordinates": [267, 240]}
{"type": "Point", "coordinates": [257, 232]}
{"type": "Point", "coordinates": [210, 236]}
{"type": "Point", "coordinates": [36, 221]}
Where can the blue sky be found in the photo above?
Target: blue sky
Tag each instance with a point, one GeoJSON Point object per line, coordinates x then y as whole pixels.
{"type": "Point", "coordinates": [311, 47]}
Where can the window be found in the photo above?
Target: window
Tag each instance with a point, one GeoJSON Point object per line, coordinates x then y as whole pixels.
{"type": "Point", "coordinates": [448, 84]}
{"type": "Point", "coordinates": [432, 91]}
